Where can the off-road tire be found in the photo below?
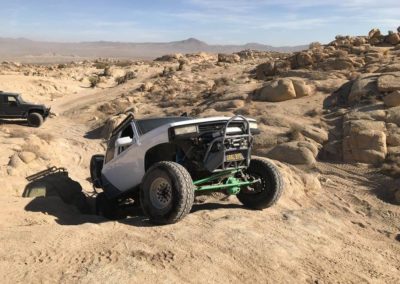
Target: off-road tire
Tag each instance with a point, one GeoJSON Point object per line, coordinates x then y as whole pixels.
{"type": "Point", "coordinates": [271, 185]}
{"type": "Point", "coordinates": [35, 119]}
{"type": "Point", "coordinates": [95, 172]}
{"type": "Point", "coordinates": [107, 208]}
{"type": "Point", "coordinates": [181, 186]}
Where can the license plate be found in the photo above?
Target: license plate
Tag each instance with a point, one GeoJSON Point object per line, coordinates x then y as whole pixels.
{"type": "Point", "coordinates": [234, 157]}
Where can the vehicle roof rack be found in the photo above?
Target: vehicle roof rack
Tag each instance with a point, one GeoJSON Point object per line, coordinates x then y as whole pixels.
{"type": "Point", "coordinates": [127, 120]}
{"type": "Point", "coordinates": [49, 171]}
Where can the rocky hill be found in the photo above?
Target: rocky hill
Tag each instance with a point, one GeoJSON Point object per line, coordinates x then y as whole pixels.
{"type": "Point", "coordinates": [329, 118]}
{"type": "Point", "coordinates": [29, 51]}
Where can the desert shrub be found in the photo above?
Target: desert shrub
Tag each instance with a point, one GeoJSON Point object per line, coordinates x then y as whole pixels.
{"type": "Point", "coordinates": [294, 133]}
{"type": "Point", "coordinates": [314, 44]}
{"type": "Point", "coordinates": [100, 65]}
{"type": "Point", "coordinates": [124, 63]}
{"type": "Point", "coordinates": [106, 72]}
{"type": "Point", "coordinates": [125, 78]}
{"type": "Point", "coordinates": [94, 80]}
{"type": "Point", "coordinates": [223, 81]}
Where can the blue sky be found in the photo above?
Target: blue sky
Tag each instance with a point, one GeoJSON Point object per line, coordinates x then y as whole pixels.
{"type": "Point", "coordinates": [285, 22]}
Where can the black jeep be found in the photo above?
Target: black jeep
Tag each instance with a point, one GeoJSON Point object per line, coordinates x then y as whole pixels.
{"type": "Point", "coordinates": [12, 106]}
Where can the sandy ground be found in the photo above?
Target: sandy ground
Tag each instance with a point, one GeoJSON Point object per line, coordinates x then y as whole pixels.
{"type": "Point", "coordinates": [346, 231]}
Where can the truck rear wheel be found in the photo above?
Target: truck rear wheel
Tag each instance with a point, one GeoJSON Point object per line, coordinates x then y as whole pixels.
{"type": "Point", "coordinates": [167, 193]}
{"type": "Point", "coordinates": [263, 194]}
{"type": "Point", "coordinates": [35, 119]}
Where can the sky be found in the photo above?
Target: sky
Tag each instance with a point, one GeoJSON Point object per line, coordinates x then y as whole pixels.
{"type": "Point", "coordinates": [273, 22]}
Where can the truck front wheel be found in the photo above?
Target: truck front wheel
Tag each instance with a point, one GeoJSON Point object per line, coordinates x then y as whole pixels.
{"type": "Point", "coordinates": [167, 193]}
{"type": "Point", "coordinates": [35, 119]}
{"type": "Point", "coordinates": [265, 193]}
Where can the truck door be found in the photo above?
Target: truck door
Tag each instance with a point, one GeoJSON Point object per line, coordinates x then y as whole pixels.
{"type": "Point", "coordinates": [11, 106]}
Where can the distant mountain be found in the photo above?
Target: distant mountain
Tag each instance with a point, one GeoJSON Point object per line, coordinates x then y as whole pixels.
{"type": "Point", "coordinates": [24, 49]}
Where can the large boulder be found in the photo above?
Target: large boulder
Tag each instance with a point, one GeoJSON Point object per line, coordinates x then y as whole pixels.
{"type": "Point", "coordinates": [389, 82]}
{"type": "Point", "coordinates": [302, 59]}
{"type": "Point", "coordinates": [393, 135]}
{"type": "Point", "coordinates": [296, 153]}
{"type": "Point", "coordinates": [277, 91]}
{"type": "Point", "coordinates": [265, 70]}
{"type": "Point", "coordinates": [228, 58]}
{"type": "Point", "coordinates": [393, 115]}
{"type": "Point", "coordinates": [393, 38]}
{"type": "Point", "coordinates": [392, 99]}
{"type": "Point", "coordinates": [364, 142]}
{"type": "Point", "coordinates": [374, 33]}
{"type": "Point", "coordinates": [284, 89]}
{"type": "Point", "coordinates": [301, 88]}
{"type": "Point", "coordinates": [363, 87]}
{"type": "Point", "coordinates": [337, 64]}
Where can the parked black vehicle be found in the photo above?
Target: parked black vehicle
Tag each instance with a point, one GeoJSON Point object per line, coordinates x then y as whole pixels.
{"type": "Point", "coordinates": [12, 106]}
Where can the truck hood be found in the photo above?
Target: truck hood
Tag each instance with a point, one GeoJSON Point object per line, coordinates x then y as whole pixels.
{"type": "Point", "coordinates": [208, 119]}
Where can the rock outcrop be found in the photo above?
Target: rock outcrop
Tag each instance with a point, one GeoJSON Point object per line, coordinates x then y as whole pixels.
{"type": "Point", "coordinates": [296, 153]}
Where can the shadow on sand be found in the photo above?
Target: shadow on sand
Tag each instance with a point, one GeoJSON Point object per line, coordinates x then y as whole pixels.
{"type": "Point", "coordinates": [56, 194]}
{"type": "Point", "coordinates": [94, 133]}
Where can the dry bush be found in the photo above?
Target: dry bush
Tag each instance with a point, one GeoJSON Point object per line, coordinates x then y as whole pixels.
{"type": "Point", "coordinates": [100, 65]}
{"type": "Point", "coordinates": [294, 133]}
{"type": "Point", "coordinates": [223, 81]}
{"type": "Point", "coordinates": [94, 80]}
{"type": "Point", "coordinates": [129, 75]}
{"type": "Point", "coordinates": [124, 63]}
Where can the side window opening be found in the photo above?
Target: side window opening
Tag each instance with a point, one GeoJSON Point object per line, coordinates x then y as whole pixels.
{"type": "Point", "coordinates": [127, 132]}
{"type": "Point", "coordinates": [11, 100]}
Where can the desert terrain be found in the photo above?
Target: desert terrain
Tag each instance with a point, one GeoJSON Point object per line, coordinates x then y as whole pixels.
{"type": "Point", "coordinates": [330, 120]}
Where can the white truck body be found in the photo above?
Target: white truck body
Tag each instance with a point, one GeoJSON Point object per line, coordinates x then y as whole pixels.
{"type": "Point", "coordinates": [127, 168]}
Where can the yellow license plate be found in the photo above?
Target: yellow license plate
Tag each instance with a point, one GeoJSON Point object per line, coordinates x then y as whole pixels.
{"type": "Point", "coordinates": [234, 157]}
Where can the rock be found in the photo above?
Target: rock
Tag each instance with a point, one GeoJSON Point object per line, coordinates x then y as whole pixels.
{"type": "Point", "coordinates": [228, 58]}
{"type": "Point", "coordinates": [392, 99]}
{"type": "Point", "coordinates": [295, 153]}
{"type": "Point", "coordinates": [282, 66]}
{"type": "Point", "coordinates": [393, 138]}
{"type": "Point", "coordinates": [337, 64]}
{"type": "Point", "coordinates": [397, 198]}
{"type": "Point", "coordinates": [27, 157]}
{"type": "Point", "coordinates": [146, 87]}
{"type": "Point", "coordinates": [364, 142]}
{"type": "Point", "coordinates": [226, 105]}
{"type": "Point", "coordinates": [277, 91]}
{"type": "Point", "coordinates": [170, 57]}
{"type": "Point", "coordinates": [301, 88]}
{"type": "Point", "coordinates": [389, 82]}
{"type": "Point", "coordinates": [265, 70]}
{"type": "Point", "coordinates": [393, 115]}
{"type": "Point", "coordinates": [363, 87]}
{"type": "Point", "coordinates": [15, 161]}
{"type": "Point", "coordinates": [393, 38]}
{"type": "Point", "coordinates": [302, 59]}
{"type": "Point", "coordinates": [374, 33]}
{"type": "Point", "coordinates": [319, 135]}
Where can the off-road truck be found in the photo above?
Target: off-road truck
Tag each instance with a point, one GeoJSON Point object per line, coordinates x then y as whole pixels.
{"type": "Point", "coordinates": [161, 163]}
{"type": "Point", "coordinates": [12, 106]}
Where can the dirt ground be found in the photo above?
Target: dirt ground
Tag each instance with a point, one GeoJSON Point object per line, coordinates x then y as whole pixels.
{"type": "Point", "coordinates": [344, 229]}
